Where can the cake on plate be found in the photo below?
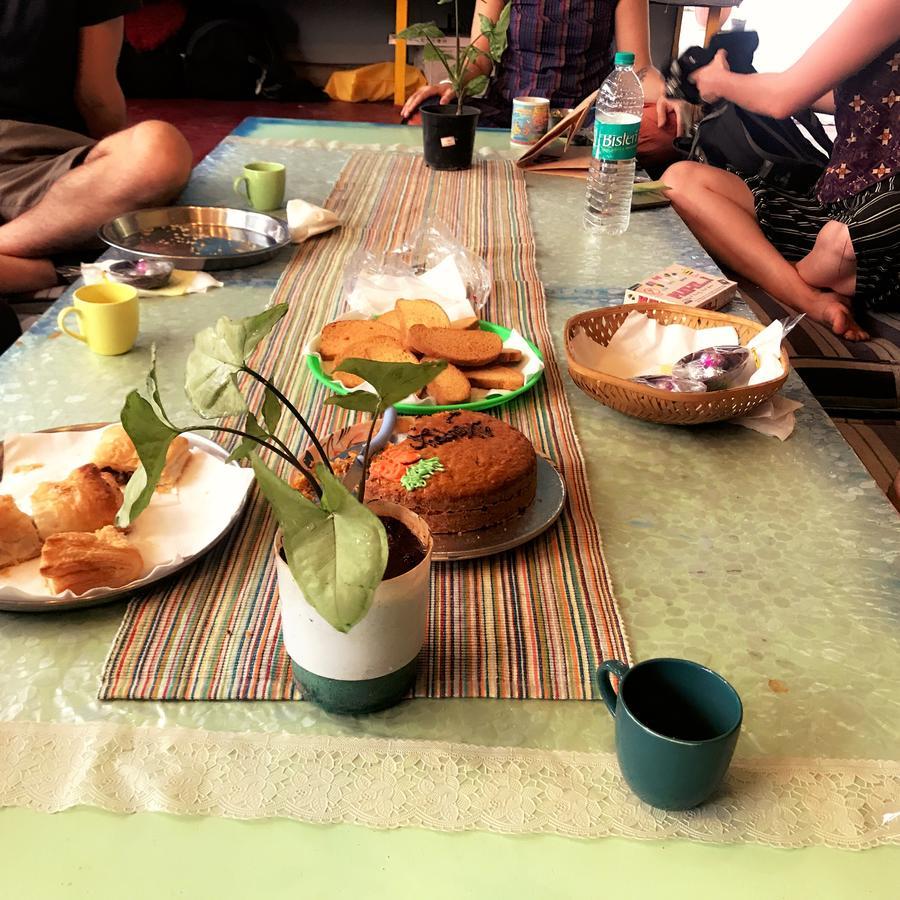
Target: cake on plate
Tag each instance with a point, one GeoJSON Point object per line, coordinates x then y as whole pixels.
{"type": "Point", "coordinates": [460, 471]}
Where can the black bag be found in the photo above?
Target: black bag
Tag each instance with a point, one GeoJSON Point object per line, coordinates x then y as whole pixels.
{"type": "Point", "coordinates": [747, 143]}
{"type": "Point", "coordinates": [776, 150]}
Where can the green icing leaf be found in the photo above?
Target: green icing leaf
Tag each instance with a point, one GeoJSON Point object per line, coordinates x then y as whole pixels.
{"type": "Point", "coordinates": [151, 439]}
{"type": "Point", "coordinates": [418, 473]}
{"type": "Point", "coordinates": [218, 355]}
{"type": "Point", "coordinates": [246, 446]}
{"type": "Point", "coordinates": [393, 382]}
{"type": "Point", "coordinates": [271, 410]}
{"type": "Point", "coordinates": [337, 552]}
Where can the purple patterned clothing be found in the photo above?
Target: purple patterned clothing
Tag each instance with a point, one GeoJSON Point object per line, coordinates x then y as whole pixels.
{"type": "Point", "coordinates": [867, 118]}
{"type": "Point", "coordinates": [559, 49]}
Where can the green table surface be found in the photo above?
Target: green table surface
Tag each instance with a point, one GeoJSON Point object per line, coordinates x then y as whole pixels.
{"type": "Point", "coordinates": [87, 852]}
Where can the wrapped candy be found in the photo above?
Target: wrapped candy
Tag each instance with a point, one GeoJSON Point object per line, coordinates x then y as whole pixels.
{"type": "Point", "coordinates": [670, 383]}
{"type": "Point", "coordinates": [719, 368]}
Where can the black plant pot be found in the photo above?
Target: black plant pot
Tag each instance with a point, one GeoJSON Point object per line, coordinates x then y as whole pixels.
{"type": "Point", "coordinates": [449, 139]}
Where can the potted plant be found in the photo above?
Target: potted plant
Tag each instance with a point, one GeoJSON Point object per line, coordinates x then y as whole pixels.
{"type": "Point", "coordinates": [353, 577]}
{"type": "Point", "coordinates": [448, 132]}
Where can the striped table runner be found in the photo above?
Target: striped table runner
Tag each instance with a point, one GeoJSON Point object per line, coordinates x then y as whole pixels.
{"type": "Point", "coordinates": [531, 623]}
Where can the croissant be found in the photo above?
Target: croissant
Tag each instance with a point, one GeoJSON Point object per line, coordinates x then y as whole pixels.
{"type": "Point", "coordinates": [18, 537]}
{"type": "Point", "coordinates": [86, 500]}
{"type": "Point", "coordinates": [79, 561]}
{"type": "Point", "coordinates": [116, 454]}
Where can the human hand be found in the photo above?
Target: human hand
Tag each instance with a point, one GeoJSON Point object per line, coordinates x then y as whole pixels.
{"type": "Point", "coordinates": [710, 80]}
{"type": "Point", "coordinates": [444, 91]}
{"type": "Point", "coordinates": [684, 113]}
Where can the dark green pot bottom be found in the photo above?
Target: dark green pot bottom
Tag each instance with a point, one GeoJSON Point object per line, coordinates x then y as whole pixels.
{"type": "Point", "coordinates": [356, 697]}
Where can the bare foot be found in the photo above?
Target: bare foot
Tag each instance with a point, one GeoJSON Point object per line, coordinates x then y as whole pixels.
{"type": "Point", "coordinates": [834, 310]}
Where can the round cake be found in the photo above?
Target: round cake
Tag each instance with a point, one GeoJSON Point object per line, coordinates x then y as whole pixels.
{"type": "Point", "coordinates": [460, 471]}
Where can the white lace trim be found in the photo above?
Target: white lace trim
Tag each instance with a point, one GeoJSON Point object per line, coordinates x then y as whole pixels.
{"type": "Point", "coordinates": [851, 804]}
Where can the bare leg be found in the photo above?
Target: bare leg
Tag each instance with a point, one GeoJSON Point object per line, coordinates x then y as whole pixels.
{"type": "Point", "coordinates": [718, 208]}
{"type": "Point", "coordinates": [831, 263]}
{"type": "Point", "coordinates": [141, 166]}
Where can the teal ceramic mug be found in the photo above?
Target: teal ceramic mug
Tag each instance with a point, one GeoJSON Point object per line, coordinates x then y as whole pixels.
{"type": "Point", "coordinates": [677, 723]}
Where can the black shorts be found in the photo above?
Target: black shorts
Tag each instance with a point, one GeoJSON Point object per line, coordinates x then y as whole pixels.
{"type": "Point", "coordinates": [791, 221]}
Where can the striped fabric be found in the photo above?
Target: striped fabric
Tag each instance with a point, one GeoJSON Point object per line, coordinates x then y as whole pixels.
{"type": "Point", "coordinates": [531, 623]}
{"type": "Point", "coordinates": [558, 49]}
{"type": "Point", "coordinates": [792, 220]}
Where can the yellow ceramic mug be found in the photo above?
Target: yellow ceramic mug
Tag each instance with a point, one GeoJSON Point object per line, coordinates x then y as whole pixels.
{"type": "Point", "coordinates": [107, 317]}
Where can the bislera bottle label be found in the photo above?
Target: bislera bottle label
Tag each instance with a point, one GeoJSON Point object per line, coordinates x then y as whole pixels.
{"type": "Point", "coordinates": [616, 140]}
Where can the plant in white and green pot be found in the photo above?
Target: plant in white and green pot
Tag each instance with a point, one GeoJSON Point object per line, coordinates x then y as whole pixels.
{"type": "Point", "coordinates": [448, 131]}
{"type": "Point", "coordinates": [353, 576]}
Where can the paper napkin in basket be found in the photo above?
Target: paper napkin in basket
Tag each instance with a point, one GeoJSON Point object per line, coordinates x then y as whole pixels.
{"type": "Point", "coordinates": [180, 283]}
{"type": "Point", "coordinates": [643, 346]}
{"type": "Point", "coordinates": [305, 220]}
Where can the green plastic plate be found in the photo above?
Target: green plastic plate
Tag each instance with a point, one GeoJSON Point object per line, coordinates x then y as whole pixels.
{"type": "Point", "coordinates": [412, 409]}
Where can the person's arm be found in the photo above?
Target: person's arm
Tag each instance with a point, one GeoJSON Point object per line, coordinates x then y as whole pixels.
{"type": "Point", "coordinates": [825, 103]}
{"type": "Point", "coordinates": [858, 35]}
{"type": "Point", "coordinates": [481, 65]}
{"type": "Point", "coordinates": [633, 35]}
{"type": "Point", "coordinates": [97, 93]}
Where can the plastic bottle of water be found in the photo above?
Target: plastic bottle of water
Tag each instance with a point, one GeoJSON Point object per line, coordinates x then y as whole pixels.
{"type": "Point", "coordinates": [617, 120]}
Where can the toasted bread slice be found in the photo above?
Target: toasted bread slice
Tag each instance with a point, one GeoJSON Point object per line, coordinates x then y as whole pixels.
{"type": "Point", "coordinates": [451, 386]}
{"type": "Point", "coordinates": [392, 319]}
{"type": "Point", "coordinates": [470, 323]}
{"type": "Point", "coordinates": [509, 357]}
{"type": "Point", "coordinates": [462, 348]}
{"type": "Point", "coordinates": [496, 378]}
{"type": "Point", "coordinates": [382, 349]}
{"type": "Point", "coordinates": [338, 336]}
{"type": "Point", "coordinates": [420, 312]}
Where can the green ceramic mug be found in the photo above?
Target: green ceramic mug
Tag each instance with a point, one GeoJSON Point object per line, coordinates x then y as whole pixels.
{"type": "Point", "coordinates": [263, 185]}
{"type": "Point", "coordinates": [677, 723]}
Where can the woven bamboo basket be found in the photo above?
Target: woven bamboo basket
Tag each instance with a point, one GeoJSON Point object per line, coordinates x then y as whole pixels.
{"type": "Point", "coordinates": [651, 404]}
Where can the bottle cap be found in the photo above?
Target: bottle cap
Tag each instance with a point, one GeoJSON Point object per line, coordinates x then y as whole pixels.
{"type": "Point", "coordinates": [624, 59]}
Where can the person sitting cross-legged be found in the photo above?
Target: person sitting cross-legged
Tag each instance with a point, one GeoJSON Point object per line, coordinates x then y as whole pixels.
{"type": "Point", "coordinates": [816, 252]}
{"type": "Point", "coordinates": [67, 162]}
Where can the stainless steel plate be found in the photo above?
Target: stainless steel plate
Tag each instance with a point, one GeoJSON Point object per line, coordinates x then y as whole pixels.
{"type": "Point", "coordinates": [52, 604]}
{"type": "Point", "coordinates": [197, 237]}
{"type": "Point", "coordinates": [543, 512]}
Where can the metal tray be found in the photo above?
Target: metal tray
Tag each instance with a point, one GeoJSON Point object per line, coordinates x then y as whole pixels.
{"type": "Point", "coordinates": [197, 237]}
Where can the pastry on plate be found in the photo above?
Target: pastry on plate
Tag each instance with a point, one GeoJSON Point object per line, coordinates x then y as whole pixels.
{"type": "Point", "coordinates": [116, 454]}
{"type": "Point", "coordinates": [18, 537]}
{"type": "Point", "coordinates": [80, 561]}
{"type": "Point", "coordinates": [86, 500]}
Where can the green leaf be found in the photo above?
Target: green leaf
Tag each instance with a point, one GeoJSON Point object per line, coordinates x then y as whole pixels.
{"type": "Point", "coordinates": [434, 53]}
{"type": "Point", "coordinates": [271, 410]}
{"type": "Point", "coordinates": [218, 355]}
{"type": "Point", "coordinates": [361, 401]}
{"type": "Point", "coordinates": [247, 446]}
{"type": "Point", "coordinates": [496, 33]}
{"type": "Point", "coordinates": [394, 381]}
{"type": "Point", "coordinates": [476, 85]}
{"type": "Point", "coordinates": [337, 552]}
{"type": "Point", "coordinates": [151, 439]}
{"type": "Point", "coordinates": [420, 30]}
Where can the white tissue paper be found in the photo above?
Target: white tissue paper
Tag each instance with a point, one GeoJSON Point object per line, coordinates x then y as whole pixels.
{"type": "Point", "coordinates": [375, 293]}
{"type": "Point", "coordinates": [305, 220]}
{"type": "Point", "coordinates": [174, 528]}
{"type": "Point", "coordinates": [181, 282]}
{"type": "Point", "coordinates": [643, 346]}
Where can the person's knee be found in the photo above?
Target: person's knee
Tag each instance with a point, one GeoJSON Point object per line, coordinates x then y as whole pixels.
{"type": "Point", "coordinates": [681, 178]}
{"type": "Point", "coordinates": [160, 160]}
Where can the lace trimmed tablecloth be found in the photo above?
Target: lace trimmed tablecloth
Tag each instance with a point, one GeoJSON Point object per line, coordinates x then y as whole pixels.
{"type": "Point", "coordinates": [799, 610]}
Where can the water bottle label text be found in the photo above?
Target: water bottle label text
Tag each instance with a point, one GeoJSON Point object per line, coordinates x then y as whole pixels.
{"type": "Point", "coordinates": [613, 140]}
